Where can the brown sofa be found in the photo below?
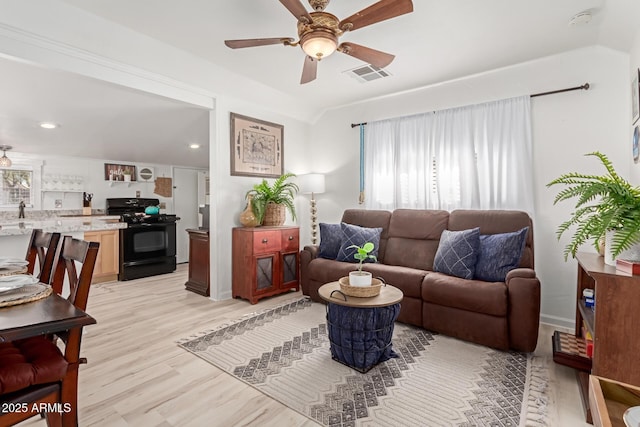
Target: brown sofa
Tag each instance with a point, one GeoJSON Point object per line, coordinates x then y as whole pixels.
{"type": "Point", "coordinates": [502, 315]}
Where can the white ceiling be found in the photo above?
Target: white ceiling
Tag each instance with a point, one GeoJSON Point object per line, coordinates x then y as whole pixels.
{"type": "Point", "coordinates": [439, 41]}
{"type": "Point", "coordinates": [97, 119]}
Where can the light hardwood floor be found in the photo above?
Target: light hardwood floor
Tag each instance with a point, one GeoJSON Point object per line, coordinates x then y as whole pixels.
{"type": "Point", "coordinates": [137, 375]}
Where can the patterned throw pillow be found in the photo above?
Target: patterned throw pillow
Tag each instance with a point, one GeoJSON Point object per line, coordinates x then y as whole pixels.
{"type": "Point", "coordinates": [330, 240]}
{"type": "Point", "coordinates": [457, 253]}
{"type": "Point", "coordinates": [356, 235]}
{"type": "Point", "coordinates": [499, 254]}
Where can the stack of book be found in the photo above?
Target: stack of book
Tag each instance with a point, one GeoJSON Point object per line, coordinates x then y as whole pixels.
{"type": "Point", "coordinates": [628, 266]}
{"type": "Point", "coordinates": [588, 340]}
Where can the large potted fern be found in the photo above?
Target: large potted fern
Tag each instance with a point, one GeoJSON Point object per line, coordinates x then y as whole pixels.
{"type": "Point", "coordinates": [270, 202]}
{"type": "Point", "coordinates": [607, 208]}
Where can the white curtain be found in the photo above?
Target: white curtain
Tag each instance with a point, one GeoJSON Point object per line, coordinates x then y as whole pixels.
{"type": "Point", "coordinates": [474, 157]}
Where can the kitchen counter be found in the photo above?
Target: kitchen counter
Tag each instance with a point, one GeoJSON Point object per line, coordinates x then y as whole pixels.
{"type": "Point", "coordinates": [61, 224]}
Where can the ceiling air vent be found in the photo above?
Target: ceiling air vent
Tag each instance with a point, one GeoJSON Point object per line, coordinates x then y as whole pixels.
{"type": "Point", "coordinates": [367, 73]}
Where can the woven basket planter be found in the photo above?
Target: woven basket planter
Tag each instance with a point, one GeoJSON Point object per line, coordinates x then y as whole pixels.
{"type": "Point", "coordinates": [274, 214]}
{"type": "Point", "coordinates": [360, 291]}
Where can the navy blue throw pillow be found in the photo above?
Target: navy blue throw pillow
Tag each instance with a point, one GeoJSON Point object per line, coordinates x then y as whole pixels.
{"type": "Point", "coordinates": [356, 235]}
{"type": "Point", "coordinates": [499, 254]}
{"type": "Point", "coordinates": [330, 240]}
{"type": "Point", "coordinates": [457, 253]}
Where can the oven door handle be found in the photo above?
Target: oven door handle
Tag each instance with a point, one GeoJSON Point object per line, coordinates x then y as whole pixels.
{"type": "Point", "coordinates": [145, 261]}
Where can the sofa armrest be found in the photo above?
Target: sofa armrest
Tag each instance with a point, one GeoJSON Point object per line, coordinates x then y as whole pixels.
{"type": "Point", "coordinates": [306, 255]}
{"type": "Point", "coordinates": [313, 250]}
{"type": "Point", "coordinates": [523, 289]}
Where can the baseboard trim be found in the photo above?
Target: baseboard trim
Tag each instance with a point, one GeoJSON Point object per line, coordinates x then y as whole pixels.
{"type": "Point", "coordinates": [558, 321]}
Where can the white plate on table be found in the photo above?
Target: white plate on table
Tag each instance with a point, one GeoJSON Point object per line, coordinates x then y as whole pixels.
{"type": "Point", "coordinates": [10, 283]}
{"type": "Point", "coordinates": [12, 262]}
{"type": "Point", "coordinates": [631, 417]}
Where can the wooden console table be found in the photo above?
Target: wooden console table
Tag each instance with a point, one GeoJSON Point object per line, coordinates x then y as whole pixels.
{"type": "Point", "coordinates": [198, 262]}
{"type": "Point", "coordinates": [614, 324]}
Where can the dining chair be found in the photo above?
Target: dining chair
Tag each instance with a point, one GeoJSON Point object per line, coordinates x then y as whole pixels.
{"type": "Point", "coordinates": [35, 370]}
{"type": "Point", "coordinates": [42, 249]}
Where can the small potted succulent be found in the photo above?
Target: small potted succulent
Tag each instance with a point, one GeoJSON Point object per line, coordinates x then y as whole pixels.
{"type": "Point", "coordinates": [359, 277]}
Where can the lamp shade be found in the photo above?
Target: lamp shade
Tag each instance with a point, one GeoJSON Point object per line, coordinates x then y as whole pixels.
{"type": "Point", "coordinates": [319, 44]}
{"type": "Point", "coordinates": [311, 183]}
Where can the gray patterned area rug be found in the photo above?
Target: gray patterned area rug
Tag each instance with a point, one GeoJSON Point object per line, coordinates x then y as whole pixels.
{"type": "Point", "coordinates": [435, 381]}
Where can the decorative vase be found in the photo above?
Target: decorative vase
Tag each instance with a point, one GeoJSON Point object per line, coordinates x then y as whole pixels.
{"type": "Point", "coordinates": [274, 214]}
{"type": "Point", "coordinates": [633, 253]}
{"type": "Point", "coordinates": [247, 217]}
{"type": "Point", "coordinates": [360, 278]}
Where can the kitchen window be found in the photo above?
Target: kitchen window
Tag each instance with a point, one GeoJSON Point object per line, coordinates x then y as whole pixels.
{"type": "Point", "coordinates": [16, 185]}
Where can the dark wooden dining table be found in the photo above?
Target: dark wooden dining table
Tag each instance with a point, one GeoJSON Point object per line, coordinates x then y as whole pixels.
{"type": "Point", "coordinates": [45, 316]}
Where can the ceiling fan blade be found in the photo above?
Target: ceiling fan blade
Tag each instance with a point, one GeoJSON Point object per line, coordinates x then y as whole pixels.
{"type": "Point", "coordinates": [380, 11]}
{"type": "Point", "coordinates": [298, 10]}
{"type": "Point", "coordinates": [309, 70]}
{"type": "Point", "coordinates": [366, 54]}
{"type": "Point", "coordinates": [238, 44]}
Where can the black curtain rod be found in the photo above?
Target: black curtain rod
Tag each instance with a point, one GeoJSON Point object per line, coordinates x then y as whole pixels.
{"type": "Point", "coordinates": [582, 87]}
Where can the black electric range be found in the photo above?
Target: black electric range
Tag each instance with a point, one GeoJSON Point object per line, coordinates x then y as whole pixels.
{"type": "Point", "coordinates": [148, 244]}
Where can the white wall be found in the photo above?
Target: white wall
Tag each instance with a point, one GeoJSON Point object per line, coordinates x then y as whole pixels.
{"type": "Point", "coordinates": [227, 192]}
{"type": "Point", "coordinates": [565, 126]}
{"type": "Point", "coordinates": [634, 66]}
{"type": "Point", "coordinates": [92, 173]}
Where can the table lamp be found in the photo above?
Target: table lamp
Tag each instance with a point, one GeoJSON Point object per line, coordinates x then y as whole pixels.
{"type": "Point", "coordinates": [312, 183]}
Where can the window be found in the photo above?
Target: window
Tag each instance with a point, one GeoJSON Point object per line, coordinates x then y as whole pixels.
{"type": "Point", "coordinates": [474, 157]}
{"type": "Point", "coordinates": [16, 186]}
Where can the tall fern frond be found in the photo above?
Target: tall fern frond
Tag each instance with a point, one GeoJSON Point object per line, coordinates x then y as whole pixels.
{"type": "Point", "coordinates": [603, 202]}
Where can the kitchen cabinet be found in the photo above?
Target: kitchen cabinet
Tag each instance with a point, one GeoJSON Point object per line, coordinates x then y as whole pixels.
{"type": "Point", "coordinates": [198, 281]}
{"type": "Point", "coordinates": [265, 261]}
{"type": "Point", "coordinates": [107, 264]}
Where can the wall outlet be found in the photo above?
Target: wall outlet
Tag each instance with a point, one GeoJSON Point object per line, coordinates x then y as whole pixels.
{"type": "Point", "coordinates": [58, 203]}
{"type": "Point", "coordinates": [137, 193]}
{"type": "Point", "coordinates": [163, 205]}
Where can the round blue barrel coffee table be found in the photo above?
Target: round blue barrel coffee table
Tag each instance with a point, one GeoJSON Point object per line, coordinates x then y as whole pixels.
{"type": "Point", "coordinates": [360, 329]}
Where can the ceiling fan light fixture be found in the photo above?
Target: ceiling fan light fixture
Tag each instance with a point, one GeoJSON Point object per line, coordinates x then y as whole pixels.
{"type": "Point", "coordinates": [319, 44]}
{"type": "Point", "coordinates": [5, 162]}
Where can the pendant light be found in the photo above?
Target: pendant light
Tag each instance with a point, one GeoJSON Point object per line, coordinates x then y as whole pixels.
{"type": "Point", "coordinates": [5, 162]}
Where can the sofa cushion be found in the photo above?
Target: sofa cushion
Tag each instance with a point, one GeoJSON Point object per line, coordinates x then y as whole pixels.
{"type": "Point", "coordinates": [494, 222]}
{"type": "Point", "coordinates": [499, 254]}
{"type": "Point", "coordinates": [414, 235]}
{"type": "Point", "coordinates": [323, 270]}
{"type": "Point", "coordinates": [457, 253]}
{"type": "Point", "coordinates": [408, 280]}
{"type": "Point", "coordinates": [356, 235]}
{"type": "Point", "coordinates": [330, 240]}
{"type": "Point", "coordinates": [471, 295]}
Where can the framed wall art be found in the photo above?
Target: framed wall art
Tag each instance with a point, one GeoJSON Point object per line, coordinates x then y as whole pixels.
{"type": "Point", "coordinates": [636, 147]}
{"type": "Point", "coordinates": [116, 172]}
{"type": "Point", "coordinates": [257, 147]}
{"type": "Point", "coordinates": [635, 98]}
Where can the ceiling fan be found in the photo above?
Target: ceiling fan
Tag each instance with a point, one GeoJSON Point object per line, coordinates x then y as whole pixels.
{"type": "Point", "coordinates": [318, 33]}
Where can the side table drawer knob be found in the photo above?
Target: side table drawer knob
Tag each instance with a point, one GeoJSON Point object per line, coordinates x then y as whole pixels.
{"type": "Point", "coordinates": [265, 240]}
{"type": "Point", "coordinates": [290, 237]}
